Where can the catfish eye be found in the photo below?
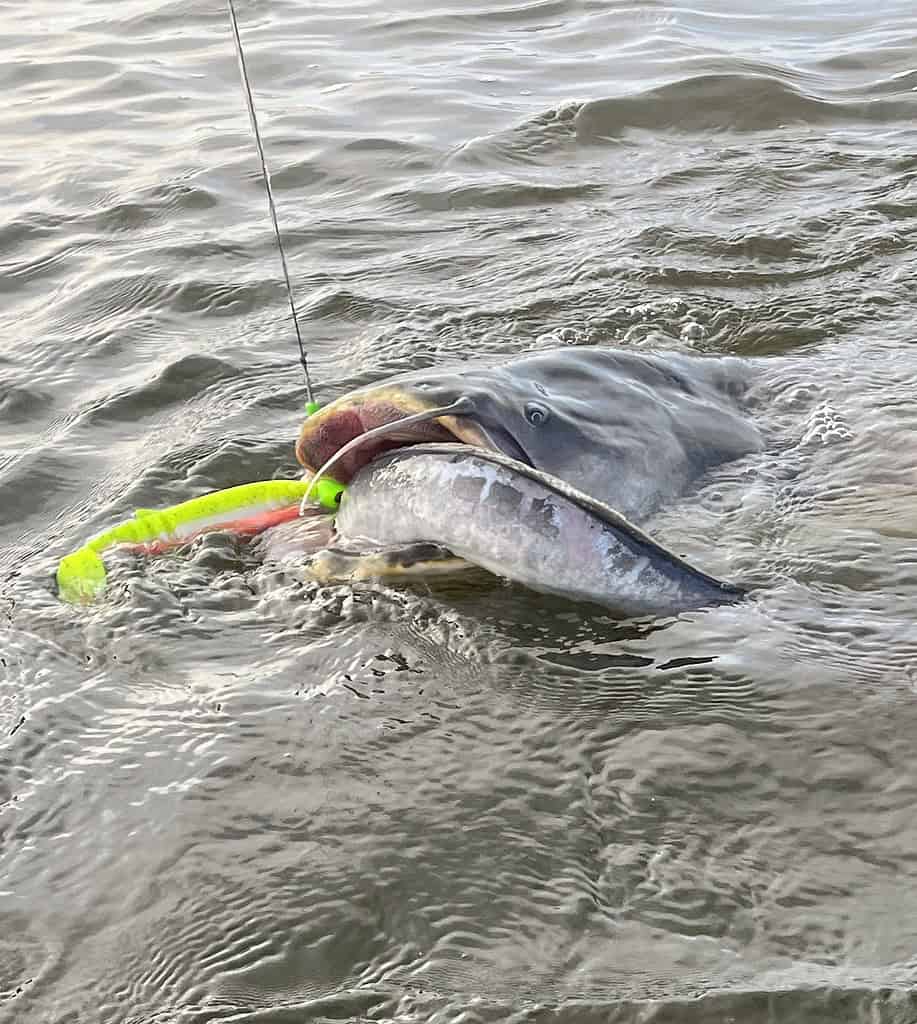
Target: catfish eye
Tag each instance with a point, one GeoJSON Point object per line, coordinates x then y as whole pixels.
{"type": "Point", "coordinates": [536, 414]}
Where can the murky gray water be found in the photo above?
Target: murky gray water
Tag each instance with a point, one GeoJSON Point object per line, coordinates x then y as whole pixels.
{"type": "Point", "coordinates": [229, 794]}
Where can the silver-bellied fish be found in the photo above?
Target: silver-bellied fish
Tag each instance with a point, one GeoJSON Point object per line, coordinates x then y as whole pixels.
{"type": "Point", "coordinates": [429, 507]}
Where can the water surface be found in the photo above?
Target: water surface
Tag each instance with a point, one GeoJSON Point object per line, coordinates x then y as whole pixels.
{"type": "Point", "coordinates": [229, 794]}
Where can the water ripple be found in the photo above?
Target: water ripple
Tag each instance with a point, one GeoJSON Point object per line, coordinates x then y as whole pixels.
{"type": "Point", "coordinates": [230, 793]}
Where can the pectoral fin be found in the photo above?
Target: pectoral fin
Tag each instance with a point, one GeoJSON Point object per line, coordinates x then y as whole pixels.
{"type": "Point", "coordinates": [421, 559]}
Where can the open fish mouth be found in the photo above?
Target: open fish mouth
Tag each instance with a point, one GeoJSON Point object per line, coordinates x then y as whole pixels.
{"type": "Point", "coordinates": [380, 411]}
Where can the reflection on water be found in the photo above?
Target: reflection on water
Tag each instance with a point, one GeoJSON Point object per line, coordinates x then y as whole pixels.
{"type": "Point", "coordinates": [227, 793]}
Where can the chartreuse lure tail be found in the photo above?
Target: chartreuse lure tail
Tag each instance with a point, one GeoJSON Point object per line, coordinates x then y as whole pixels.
{"type": "Point", "coordinates": [248, 508]}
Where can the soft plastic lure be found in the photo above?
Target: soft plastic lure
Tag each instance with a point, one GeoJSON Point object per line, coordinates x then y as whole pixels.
{"type": "Point", "coordinates": [246, 509]}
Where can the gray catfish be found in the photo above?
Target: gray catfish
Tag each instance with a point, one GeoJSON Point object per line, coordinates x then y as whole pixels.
{"type": "Point", "coordinates": [627, 428]}
{"type": "Point", "coordinates": [511, 519]}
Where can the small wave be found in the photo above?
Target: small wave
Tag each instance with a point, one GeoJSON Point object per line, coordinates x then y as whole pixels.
{"type": "Point", "coordinates": [528, 142]}
{"type": "Point", "coordinates": [496, 195]}
{"type": "Point", "coordinates": [722, 101]}
{"type": "Point", "coordinates": [26, 228]}
{"type": "Point", "coordinates": [20, 403]}
{"type": "Point", "coordinates": [180, 381]}
{"type": "Point", "coordinates": [148, 206]}
{"type": "Point", "coordinates": [728, 102]}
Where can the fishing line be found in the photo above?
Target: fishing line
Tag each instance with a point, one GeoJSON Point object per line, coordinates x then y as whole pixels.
{"type": "Point", "coordinates": [328, 490]}
{"type": "Point", "coordinates": [460, 407]}
{"type": "Point", "coordinates": [311, 404]}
